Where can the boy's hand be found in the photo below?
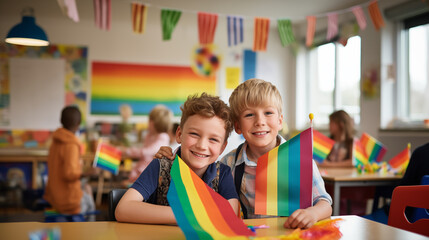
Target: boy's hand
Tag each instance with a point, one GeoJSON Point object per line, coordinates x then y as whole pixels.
{"type": "Point", "coordinates": [301, 218]}
{"type": "Point", "coordinates": [165, 151]}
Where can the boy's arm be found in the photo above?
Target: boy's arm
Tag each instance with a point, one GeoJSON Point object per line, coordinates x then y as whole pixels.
{"type": "Point", "coordinates": [305, 218]}
{"type": "Point", "coordinates": [235, 205]}
{"type": "Point", "coordinates": [131, 208]}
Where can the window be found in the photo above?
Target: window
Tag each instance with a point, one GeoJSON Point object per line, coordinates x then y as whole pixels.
{"type": "Point", "coordinates": [333, 81]}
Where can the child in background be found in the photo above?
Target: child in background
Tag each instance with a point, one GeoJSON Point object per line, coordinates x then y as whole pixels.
{"type": "Point", "coordinates": [256, 107]}
{"type": "Point", "coordinates": [203, 132]}
{"type": "Point", "coordinates": [64, 190]}
{"type": "Point", "coordinates": [342, 131]}
{"type": "Point", "coordinates": [172, 134]}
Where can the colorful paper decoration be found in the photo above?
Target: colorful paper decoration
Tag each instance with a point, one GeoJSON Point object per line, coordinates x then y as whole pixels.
{"type": "Point", "coordinates": [206, 61]}
{"type": "Point", "coordinates": [360, 158]}
{"type": "Point", "coordinates": [311, 28]}
{"type": "Point", "coordinates": [325, 229]}
{"type": "Point", "coordinates": [103, 14]}
{"type": "Point", "coordinates": [374, 149]}
{"type": "Point", "coordinates": [285, 31]}
{"type": "Point", "coordinates": [249, 58]}
{"type": "Point", "coordinates": [332, 26]}
{"type": "Point", "coordinates": [68, 7]}
{"type": "Point", "coordinates": [200, 212]}
{"type": "Point", "coordinates": [138, 15]}
{"type": "Point", "coordinates": [107, 157]}
{"type": "Point", "coordinates": [322, 146]}
{"type": "Point", "coordinates": [235, 30]}
{"type": "Point", "coordinates": [261, 31]}
{"type": "Point", "coordinates": [374, 12]}
{"type": "Point", "coordinates": [207, 23]}
{"type": "Point", "coordinates": [284, 177]}
{"type": "Point", "coordinates": [232, 76]}
{"type": "Point", "coordinates": [360, 17]}
{"type": "Point", "coordinates": [399, 163]}
{"type": "Point", "coordinates": [169, 19]}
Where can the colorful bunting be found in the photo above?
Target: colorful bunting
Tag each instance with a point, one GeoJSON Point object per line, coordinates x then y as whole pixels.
{"type": "Point", "coordinates": [284, 177]}
{"type": "Point", "coordinates": [359, 154]}
{"type": "Point", "coordinates": [360, 17]}
{"type": "Point", "coordinates": [201, 213]}
{"type": "Point", "coordinates": [285, 31]}
{"type": "Point", "coordinates": [103, 14]}
{"type": "Point", "coordinates": [107, 157]}
{"type": "Point", "coordinates": [68, 7]}
{"type": "Point", "coordinates": [261, 31]}
{"type": "Point", "coordinates": [332, 26]}
{"type": "Point", "coordinates": [235, 30]}
{"type": "Point", "coordinates": [138, 15]}
{"type": "Point", "coordinates": [311, 28]}
{"type": "Point", "coordinates": [207, 23]}
{"type": "Point", "coordinates": [374, 149]}
{"type": "Point", "coordinates": [322, 146]}
{"type": "Point", "coordinates": [399, 163]}
{"type": "Point", "coordinates": [374, 12]}
{"type": "Point", "coordinates": [169, 19]}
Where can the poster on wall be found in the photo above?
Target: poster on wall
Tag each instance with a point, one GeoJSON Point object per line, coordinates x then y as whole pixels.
{"type": "Point", "coordinates": [143, 86]}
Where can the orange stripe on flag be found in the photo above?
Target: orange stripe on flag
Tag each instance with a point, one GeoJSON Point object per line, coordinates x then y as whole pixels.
{"type": "Point", "coordinates": [261, 198]}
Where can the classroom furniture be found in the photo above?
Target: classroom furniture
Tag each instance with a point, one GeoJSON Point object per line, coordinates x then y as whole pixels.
{"type": "Point", "coordinates": [114, 196]}
{"type": "Point", "coordinates": [420, 212]}
{"type": "Point", "coordinates": [409, 196]}
{"type": "Point", "coordinates": [352, 227]}
{"type": "Point", "coordinates": [349, 177]}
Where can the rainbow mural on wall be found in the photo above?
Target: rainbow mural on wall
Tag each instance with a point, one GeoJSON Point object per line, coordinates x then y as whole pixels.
{"type": "Point", "coordinates": [144, 86]}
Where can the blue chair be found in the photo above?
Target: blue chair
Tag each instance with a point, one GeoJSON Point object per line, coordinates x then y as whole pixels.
{"type": "Point", "coordinates": [54, 216]}
{"type": "Point", "coordinates": [421, 213]}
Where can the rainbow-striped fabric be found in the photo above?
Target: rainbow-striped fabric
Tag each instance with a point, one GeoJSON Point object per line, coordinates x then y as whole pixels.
{"type": "Point", "coordinates": [399, 163]}
{"type": "Point", "coordinates": [374, 149]}
{"type": "Point", "coordinates": [107, 157]}
{"type": "Point", "coordinates": [359, 154]}
{"type": "Point", "coordinates": [322, 146]}
{"type": "Point", "coordinates": [201, 213]}
{"type": "Point", "coordinates": [284, 177]}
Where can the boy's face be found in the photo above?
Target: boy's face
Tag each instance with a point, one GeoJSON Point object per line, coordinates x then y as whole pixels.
{"type": "Point", "coordinates": [202, 141]}
{"type": "Point", "coordinates": [259, 126]}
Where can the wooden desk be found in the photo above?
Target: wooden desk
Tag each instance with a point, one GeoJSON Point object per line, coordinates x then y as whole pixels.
{"type": "Point", "coordinates": [349, 177]}
{"type": "Point", "coordinates": [353, 227]}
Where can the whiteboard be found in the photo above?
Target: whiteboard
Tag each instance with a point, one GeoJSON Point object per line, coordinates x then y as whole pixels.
{"type": "Point", "coordinates": [37, 93]}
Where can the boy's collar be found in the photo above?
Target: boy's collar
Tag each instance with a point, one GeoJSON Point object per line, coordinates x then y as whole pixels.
{"type": "Point", "coordinates": [244, 157]}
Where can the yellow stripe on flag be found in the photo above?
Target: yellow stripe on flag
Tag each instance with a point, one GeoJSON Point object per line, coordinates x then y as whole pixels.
{"type": "Point", "coordinates": [321, 147]}
{"type": "Point", "coordinates": [109, 158]}
{"type": "Point", "coordinates": [272, 182]}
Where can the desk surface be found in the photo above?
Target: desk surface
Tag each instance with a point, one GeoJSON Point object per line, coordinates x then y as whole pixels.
{"type": "Point", "coordinates": [353, 227]}
{"type": "Point", "coordinates": [350, 174]}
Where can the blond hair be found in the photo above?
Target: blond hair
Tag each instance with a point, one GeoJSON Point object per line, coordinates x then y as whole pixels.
{"type": "Point", "coordinates": [161, 117]}
{"type": "Point", "coordinates": [251, 93]}
{"type": "Point", "coordinates": [207, 106]}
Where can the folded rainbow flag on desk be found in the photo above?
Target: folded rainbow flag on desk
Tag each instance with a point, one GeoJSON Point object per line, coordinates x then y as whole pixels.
{"type": "Point", "coordinates": [322, 146]}
{"type": "Point", "coordinates": [359, 154]}
{"type": "Point", "coordinates": [107, 157]}
{"type": "Point", "coordinates": [374, 149]}
{"type": "Point", "coordinates": [201, 213]}
{"type": "Point", "coordinates": [399, 163]}
{"type": "Point", "coordinates": [284, 177]}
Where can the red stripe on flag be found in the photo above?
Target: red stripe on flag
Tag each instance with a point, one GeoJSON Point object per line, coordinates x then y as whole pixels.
{"type": "Point", "coordinates": [399, 159]}
{"type": "Point", "coordinates": [111, 151]}
{"type": "Point", "coordinates": [306, 168]}
{"type": "Point", "coordinates": [322, 139]}
{"type": "Point", "coordinates": [261, 185]}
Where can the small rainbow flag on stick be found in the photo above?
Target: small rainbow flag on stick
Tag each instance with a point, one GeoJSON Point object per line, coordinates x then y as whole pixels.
{"type": "Point", "coordinates": [284, 177]}
{"type": "Point", "coordinates": [359, 154]}
{"type": "Point", "coordinates": [374, 149]}
{"type": "Point", "coordinates": [107, 157]}
{"type": "Point", "coordinates": [322, 146]}
{"type": "Point", "coordinates": [399, 163]}
{"type": "Point", "coordinates": [200, 212]}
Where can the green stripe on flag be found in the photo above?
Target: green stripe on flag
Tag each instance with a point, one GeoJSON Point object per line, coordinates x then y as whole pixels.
{"type": "Point", "coordinates": [283, 179]}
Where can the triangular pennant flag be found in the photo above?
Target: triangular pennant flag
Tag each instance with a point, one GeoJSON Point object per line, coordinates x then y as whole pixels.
{"type": "Point", "coordinates": [284, 177]}
{"type": "Point", "coordinates": [374, 149]}
{"type": "Point", "coordinates": [285, 31]}
{"type": "Point", "coordinates": [332, 26]}
{"type": "Point", "coordinates": [68, 7]}
{"type": "Point", "coordinates": [102, 13]}
{"type": "Point", "coordinates": [322, 146]}
{"type": "Point", "coordinates": [207, 23]}
{"type": "Point", "coordinates": [360, 17]}
{"type": "Point", "coordinates": [138, 15]}
{"type": "Point", "coordinates": [374, 12]}
{"type": "Point", "coordinates": [169, 19]}
{"type": "Point", "coordinates": [107, 157]}
{"type": "Point", "coordinates": [359, 155]}
{"type": "Point", "coordinates": [261, 31]}
{"type": "Point", "coordinates": [311, 28]}
{"type": "Point", "coordinates": [200, 212]}
{"type": "Point", "coordinates": [235, 30]}
{"type": "Point", "coordinates": [399, 163]}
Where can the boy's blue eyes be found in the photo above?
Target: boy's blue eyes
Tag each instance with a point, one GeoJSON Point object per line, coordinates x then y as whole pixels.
{"type": "Point", "coordinates": [211, 139]}
{"type": "Point", "coordinates": [251, 114]}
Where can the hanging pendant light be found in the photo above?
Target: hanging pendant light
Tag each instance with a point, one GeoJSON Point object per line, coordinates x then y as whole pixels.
{"type": "Point", "coordinates": [27, 32]}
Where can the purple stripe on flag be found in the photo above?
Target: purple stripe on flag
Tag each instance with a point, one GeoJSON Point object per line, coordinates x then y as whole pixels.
{"type": "Point", "coordinates": [306, 153]}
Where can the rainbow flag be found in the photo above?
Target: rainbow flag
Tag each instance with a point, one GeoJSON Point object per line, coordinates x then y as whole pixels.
{"type": "Point", "coordinates": [200, 212]}
{"type": "Point", "coordinates": [373, 148]}
{"type": "Point", "coordinates": [359, 154]}
{"type": "Point", "coordinates": [284, 177]}
{"type": "Point", "coordinates": [400, 162]}
{"type": "Point", "coordinates": [322, 146]}
{"type": "Point", "coordinates": [107, 157]}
